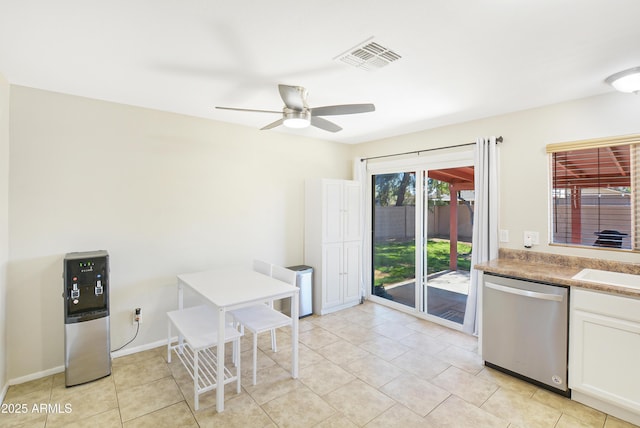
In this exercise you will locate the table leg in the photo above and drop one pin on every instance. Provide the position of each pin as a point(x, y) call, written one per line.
point(220, 368)
point(295, 300)
point(180, 307)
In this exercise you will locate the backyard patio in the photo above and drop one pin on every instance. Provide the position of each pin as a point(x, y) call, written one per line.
point(446, 294)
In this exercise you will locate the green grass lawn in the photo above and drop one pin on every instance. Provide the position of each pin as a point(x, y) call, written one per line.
point(395, 261)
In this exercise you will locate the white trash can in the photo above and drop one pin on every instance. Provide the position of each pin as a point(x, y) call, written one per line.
point(304, 281)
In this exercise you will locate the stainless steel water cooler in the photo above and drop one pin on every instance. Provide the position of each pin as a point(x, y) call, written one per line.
point(87, 353)
point(304, 281)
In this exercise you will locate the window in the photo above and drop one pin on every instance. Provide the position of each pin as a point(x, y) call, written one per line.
point(593, 195)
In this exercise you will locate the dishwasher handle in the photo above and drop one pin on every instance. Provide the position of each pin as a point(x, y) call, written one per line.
point(527, 293)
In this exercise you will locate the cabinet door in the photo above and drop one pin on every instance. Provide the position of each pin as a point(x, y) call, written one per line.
point(604, 358)
point(332, 210)
point(352, 215)
point(332, 275)
point(351, 272)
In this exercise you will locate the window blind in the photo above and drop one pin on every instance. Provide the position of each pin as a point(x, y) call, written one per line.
point(594, 197)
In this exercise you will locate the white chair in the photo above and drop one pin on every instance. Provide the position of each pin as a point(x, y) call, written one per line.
point(198, 336)
point(262, 267)
point(261, 318)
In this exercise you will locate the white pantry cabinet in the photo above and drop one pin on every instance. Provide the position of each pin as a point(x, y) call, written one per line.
point(604, 350)
point(333, 219)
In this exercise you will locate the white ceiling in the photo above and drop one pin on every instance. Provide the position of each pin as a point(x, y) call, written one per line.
point(461, 59)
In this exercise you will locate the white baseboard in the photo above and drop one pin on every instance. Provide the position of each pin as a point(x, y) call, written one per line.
point(3, 393)
point(60, 369)
point(140, 348)
point(37, 375)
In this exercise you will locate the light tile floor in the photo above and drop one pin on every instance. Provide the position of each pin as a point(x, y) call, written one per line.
point(366, 366)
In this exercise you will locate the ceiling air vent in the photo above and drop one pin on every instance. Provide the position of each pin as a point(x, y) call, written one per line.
point(368, 55)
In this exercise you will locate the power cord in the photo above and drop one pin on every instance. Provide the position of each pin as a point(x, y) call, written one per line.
point(134, 337)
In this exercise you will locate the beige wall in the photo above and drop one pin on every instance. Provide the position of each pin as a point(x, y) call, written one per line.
point(524, 164)
point(4, 224)
point(163, 193)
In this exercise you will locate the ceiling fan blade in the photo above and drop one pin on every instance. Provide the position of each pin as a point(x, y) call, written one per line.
point(247, 109)
point(321, 123)
point(294, 97)
point(342, 109)
point(273, 124)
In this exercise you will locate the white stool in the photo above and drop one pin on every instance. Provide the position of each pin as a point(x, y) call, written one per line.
point(262, 317)
point(198, 335)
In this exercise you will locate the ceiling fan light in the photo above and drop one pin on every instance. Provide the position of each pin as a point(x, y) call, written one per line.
point(296, 119)
point(626, 81)
point(296, 122)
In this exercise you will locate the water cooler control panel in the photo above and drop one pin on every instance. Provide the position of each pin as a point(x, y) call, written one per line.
point(86, 284)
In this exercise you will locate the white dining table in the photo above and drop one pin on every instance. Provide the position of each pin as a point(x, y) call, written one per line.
point(233, 288)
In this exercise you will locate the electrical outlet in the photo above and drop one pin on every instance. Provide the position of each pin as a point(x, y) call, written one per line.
point(137, 316)
point(531, 238)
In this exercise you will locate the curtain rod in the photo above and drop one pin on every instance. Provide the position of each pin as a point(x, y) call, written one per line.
point(498, 140)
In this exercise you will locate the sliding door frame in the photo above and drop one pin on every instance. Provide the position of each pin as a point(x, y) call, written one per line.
point(420, 165)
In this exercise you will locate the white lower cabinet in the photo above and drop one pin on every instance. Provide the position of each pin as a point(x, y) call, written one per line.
point(340, 284)
point(604, 352)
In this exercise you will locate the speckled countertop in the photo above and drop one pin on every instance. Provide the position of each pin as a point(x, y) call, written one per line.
point(557, 269)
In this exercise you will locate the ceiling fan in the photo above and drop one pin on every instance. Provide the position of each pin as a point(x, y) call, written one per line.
point(296, 113)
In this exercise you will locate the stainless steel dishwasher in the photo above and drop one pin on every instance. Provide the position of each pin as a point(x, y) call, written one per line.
point(525, 330)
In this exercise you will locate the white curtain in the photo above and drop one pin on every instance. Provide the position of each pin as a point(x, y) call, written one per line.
point(360, 175)
point(485, 222)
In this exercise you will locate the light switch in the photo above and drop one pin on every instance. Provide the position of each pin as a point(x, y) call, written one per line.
point(504, 235)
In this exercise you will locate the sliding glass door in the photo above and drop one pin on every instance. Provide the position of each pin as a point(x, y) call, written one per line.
point(421, 246)
point(450, 201)
point(394, 237)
